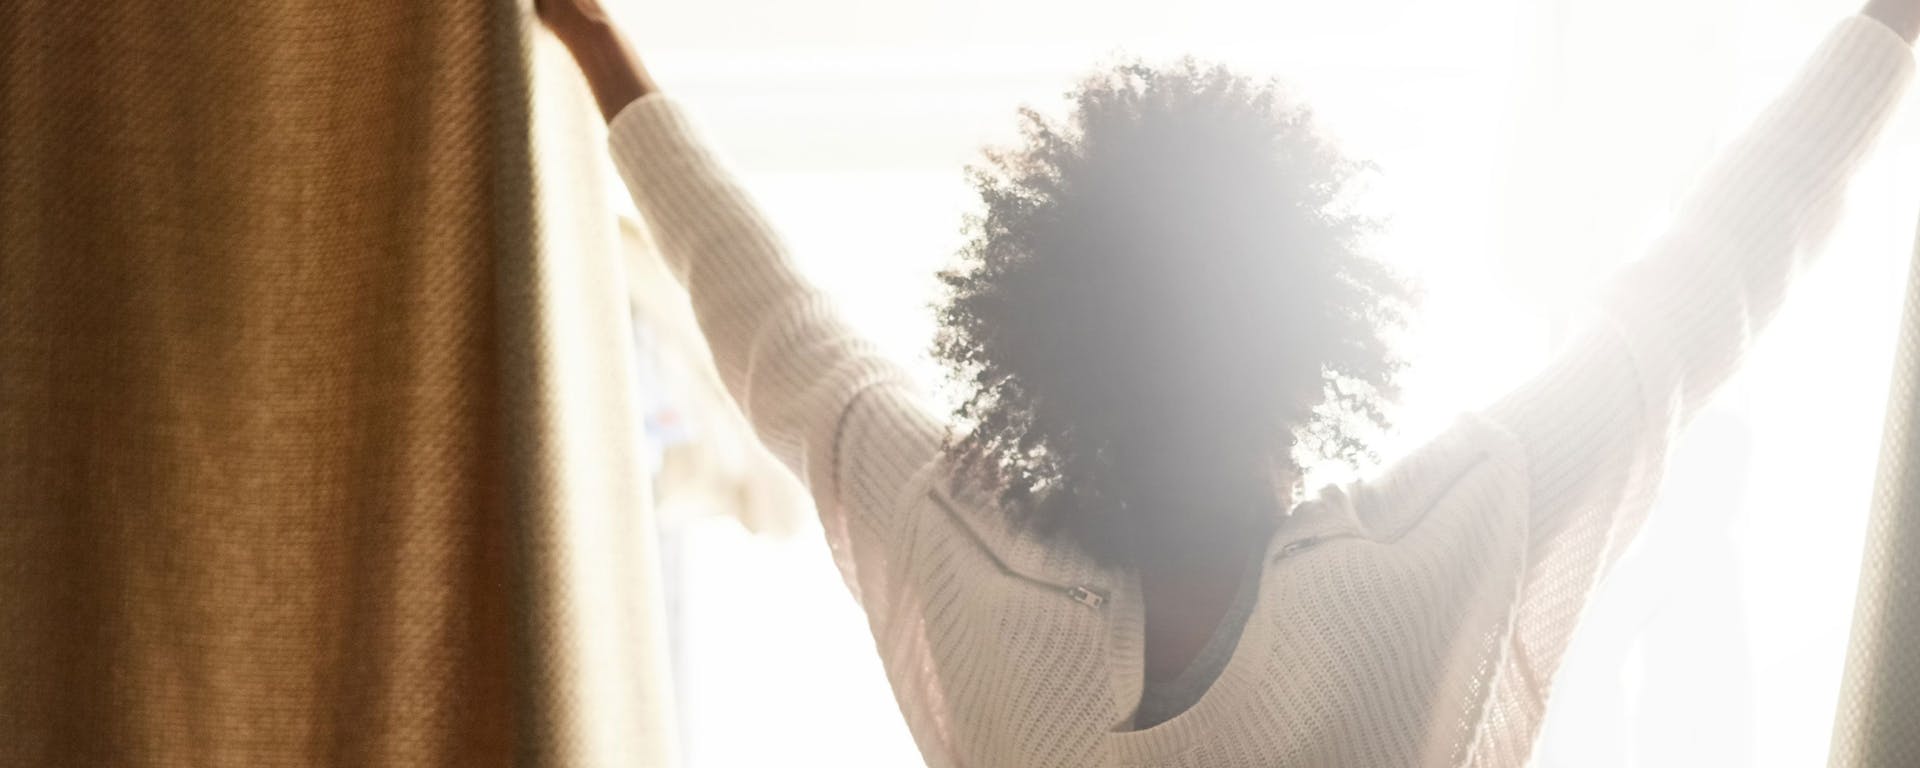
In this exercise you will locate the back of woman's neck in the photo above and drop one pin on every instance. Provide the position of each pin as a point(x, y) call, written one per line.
point(1186, 597)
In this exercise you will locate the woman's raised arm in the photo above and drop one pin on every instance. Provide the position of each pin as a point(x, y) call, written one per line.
point(1672, 327)
point(846, 420)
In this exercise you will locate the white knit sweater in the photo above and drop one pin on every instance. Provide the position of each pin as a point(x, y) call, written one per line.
point(1415, 618)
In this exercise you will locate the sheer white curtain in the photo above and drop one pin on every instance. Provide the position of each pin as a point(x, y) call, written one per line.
point(1525, 147)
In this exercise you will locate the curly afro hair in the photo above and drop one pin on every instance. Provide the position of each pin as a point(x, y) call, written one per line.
point(1165, 304)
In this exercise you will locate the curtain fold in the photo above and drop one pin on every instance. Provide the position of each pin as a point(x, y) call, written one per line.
point(1877, 721)
point(316, 429)
point(721, 469)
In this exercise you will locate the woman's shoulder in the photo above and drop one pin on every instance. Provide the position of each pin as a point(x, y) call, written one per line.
point(1473, 454)
point(957, 506)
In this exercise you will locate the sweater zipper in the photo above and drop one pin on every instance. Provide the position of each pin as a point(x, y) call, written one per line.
point(1087, 597)
point(1079, 593)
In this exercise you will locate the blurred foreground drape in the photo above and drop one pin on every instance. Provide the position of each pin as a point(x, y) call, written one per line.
point(1878, 718)
point(316, 423)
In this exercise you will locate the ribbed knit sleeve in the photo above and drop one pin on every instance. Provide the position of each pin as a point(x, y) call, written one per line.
point(1596, 423)
point(1675, 324)
point(843, 418)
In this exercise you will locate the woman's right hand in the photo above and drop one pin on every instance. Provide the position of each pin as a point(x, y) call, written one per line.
point(1902, 16)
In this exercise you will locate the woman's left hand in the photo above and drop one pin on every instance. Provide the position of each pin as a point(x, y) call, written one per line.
point(573, 20)
point(606, 58)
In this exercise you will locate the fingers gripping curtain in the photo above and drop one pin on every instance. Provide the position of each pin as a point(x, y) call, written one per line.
point(316, 438)
point(1878, 719)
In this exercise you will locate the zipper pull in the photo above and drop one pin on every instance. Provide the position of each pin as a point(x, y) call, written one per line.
point(1087, 597)
point(1297, 546)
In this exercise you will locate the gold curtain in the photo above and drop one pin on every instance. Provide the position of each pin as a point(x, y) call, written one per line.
point(316, 431)
point(1878, 719)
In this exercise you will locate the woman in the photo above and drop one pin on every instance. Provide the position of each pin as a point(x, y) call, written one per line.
point(1105, 562)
